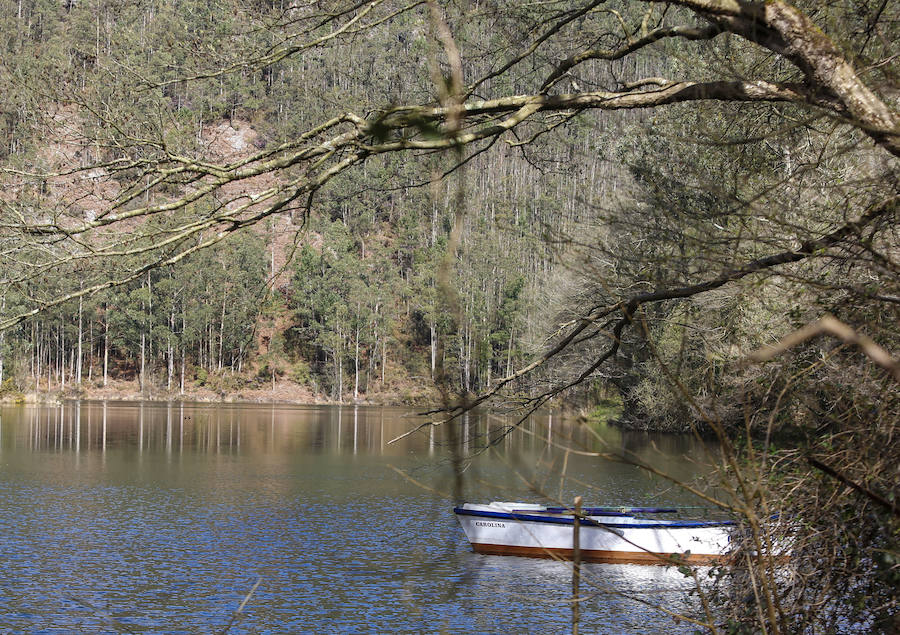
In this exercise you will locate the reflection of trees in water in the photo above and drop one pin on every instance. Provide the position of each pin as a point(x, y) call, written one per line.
point(84, 426)
point(546, 454)
point(549, 458)
point(546, 458)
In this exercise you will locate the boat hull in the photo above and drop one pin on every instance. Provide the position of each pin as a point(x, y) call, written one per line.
point(614, 539)
point(599, 556)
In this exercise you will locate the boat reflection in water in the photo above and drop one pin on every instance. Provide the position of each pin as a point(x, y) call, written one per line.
point(613, 535)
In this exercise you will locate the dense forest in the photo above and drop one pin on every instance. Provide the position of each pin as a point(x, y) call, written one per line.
point(342, 303)
point(688, 208)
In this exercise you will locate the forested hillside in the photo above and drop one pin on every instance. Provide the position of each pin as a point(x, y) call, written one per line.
point(147, 132)
point(341, 302)
point(137, 136)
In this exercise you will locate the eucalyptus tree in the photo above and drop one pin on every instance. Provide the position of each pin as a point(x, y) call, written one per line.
point(321, 283)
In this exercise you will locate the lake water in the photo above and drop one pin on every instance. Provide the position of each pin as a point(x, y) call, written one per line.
point(155, 517)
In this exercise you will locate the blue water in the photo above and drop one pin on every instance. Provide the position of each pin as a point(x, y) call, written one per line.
point(168, 526)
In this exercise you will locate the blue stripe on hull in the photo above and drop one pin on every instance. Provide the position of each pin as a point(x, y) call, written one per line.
point(556, 520)
point(614, 511)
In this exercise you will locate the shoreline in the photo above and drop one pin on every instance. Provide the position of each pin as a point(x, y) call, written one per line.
point(286, 393)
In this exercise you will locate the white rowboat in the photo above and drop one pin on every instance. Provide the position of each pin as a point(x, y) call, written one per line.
point(606, 534)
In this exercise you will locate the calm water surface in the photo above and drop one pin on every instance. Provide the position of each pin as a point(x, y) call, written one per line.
point(130, 517)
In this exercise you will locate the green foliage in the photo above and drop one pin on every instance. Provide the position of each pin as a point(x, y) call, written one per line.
point(10, 391)
point(300, 373)
point(223, 383)
point(604, 411)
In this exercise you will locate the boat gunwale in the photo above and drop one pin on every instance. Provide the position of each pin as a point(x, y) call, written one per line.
point(591, 522)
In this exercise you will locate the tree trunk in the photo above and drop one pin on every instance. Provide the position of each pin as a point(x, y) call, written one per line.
point(80, 337)
point(509, 354)
point(91, 351)
point(222, 331)
point(183, 345)
point(61, 357)
point(433, 347)
point(356, 361)
point(141, 378)
point(35, 353)
point(170, 358)
point(105, 345)
point(171, 349)
point(149, 320)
